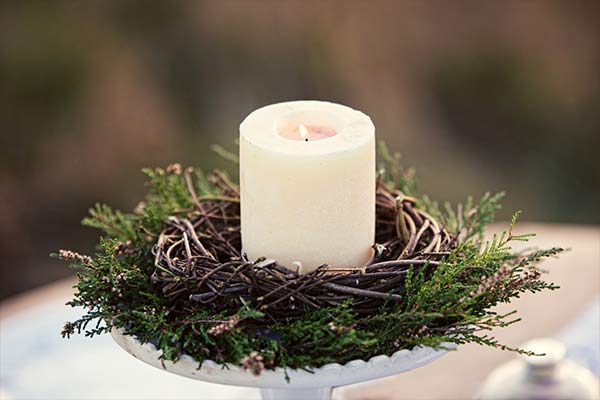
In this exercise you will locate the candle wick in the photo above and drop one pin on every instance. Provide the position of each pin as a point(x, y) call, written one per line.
point(306, 140)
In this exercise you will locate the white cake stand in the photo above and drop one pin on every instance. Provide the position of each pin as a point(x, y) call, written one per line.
point(316, 385)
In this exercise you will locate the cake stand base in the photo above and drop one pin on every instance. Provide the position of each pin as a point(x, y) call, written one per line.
point(296, 394)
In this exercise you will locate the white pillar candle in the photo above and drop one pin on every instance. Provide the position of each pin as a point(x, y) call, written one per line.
point(307, 180)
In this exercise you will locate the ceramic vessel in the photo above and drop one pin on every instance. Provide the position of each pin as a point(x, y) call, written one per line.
point(541, 377)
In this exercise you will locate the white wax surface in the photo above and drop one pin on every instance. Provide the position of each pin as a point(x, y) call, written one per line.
point(308, 202)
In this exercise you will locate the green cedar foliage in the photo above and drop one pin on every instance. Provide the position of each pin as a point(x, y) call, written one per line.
point(453, 305)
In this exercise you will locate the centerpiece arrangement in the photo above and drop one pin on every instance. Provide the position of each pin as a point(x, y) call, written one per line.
point(317, 257)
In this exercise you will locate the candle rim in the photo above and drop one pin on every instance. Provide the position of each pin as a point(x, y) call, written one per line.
point(259, 129)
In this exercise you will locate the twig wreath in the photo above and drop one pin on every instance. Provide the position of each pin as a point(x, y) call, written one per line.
point(172, 273)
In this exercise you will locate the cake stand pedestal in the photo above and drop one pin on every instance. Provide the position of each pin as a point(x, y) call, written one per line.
point(315, 385)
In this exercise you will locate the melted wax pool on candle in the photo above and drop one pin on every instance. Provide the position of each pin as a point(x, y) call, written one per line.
point(307, 133)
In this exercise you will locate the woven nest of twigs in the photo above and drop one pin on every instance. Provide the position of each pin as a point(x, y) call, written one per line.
point(199, 259)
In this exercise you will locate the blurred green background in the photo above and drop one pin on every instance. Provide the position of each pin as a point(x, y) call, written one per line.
point(476, 95)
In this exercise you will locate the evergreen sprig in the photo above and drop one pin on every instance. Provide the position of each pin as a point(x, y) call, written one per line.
point(451, 305)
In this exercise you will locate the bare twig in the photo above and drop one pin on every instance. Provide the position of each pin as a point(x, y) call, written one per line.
point(198, 258)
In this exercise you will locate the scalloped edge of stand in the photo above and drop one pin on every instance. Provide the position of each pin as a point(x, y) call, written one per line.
point(328, 375)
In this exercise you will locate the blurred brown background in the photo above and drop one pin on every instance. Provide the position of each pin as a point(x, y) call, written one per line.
point(478, 95)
